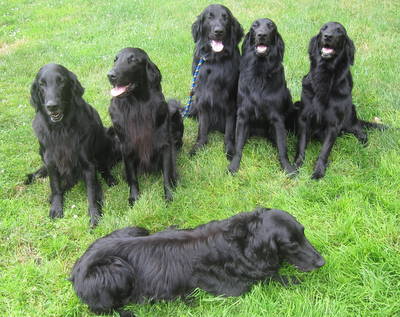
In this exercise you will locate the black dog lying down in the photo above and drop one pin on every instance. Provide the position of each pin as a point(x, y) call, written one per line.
point(73, 142)
point(149, 129)
point(326, 109)
point(222, 257)
point(264, 101)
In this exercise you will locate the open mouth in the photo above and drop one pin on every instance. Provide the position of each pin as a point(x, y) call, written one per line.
point(327, 52)
point(119, 91)
point(217, 46)
point(261, 49)
point(56, 116)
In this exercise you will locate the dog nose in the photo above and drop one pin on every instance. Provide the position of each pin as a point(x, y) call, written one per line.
point(261, 35)
point(51, 106)
point(327, 36)
point(218, 31)
point(320, 262)
point(111, 75)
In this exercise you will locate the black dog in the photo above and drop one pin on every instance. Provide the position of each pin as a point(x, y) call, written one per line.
point(222, 257)
point(217, 35)
point(149, 129)
point(326, 109)
point(264, 101)
point(73, 142)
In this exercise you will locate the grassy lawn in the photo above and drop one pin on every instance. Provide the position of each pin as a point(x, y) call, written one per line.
point(352, 216)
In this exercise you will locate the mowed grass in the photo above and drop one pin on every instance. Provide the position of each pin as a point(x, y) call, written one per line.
point(352, 216)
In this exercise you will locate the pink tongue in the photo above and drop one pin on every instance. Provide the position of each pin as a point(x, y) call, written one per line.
point(261, 49)
point(116, 91)
point(327, 50)
point(217, 46)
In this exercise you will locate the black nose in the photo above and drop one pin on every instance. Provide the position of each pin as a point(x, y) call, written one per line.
point(218, 31)
point(51, 106)
point(261, 35)
point(320, 262)
point(327, 37)
point(111, 75)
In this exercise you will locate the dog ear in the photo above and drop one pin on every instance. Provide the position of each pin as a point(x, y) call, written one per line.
point(77, 89)
point(349, 50)
point(236, 30)
point(313, 46)
point(280, 45)
point(35, 95)
point(247, 41)
point(197, 29)
point(153, 73)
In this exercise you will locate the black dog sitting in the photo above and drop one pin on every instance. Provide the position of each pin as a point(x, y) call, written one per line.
point(264, 101)
point(326, 109)
point(221, 257)
point(73, 142)
point(150, 129)
point(216, 34)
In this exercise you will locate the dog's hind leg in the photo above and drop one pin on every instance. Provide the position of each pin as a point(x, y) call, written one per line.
point(202, 137)
point(40, 173)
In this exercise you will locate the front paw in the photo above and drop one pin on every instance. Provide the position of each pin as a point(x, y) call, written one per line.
point(234, 166)
point(319, 171)
point(111, 181)
point(298, 162)
point(168, 196)
point(56, 212)
point(291, 170)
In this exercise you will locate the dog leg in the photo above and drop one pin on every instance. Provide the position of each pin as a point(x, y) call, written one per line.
point(57, 194)
point(280, 139)
point(229, 137)
point(94, 193)
point(242, 133)
point(303, 131)
point(167, 172)
point(202, 137)
point(131, 177)
point(322, 160)
point(40, 173)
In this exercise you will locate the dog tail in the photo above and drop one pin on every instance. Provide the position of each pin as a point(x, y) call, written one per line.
point(177, 127)
point(373, 125)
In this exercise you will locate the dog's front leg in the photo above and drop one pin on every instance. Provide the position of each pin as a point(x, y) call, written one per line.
point(40, 173)
point(329, 141)
point(280, 139)
point(131, 177)
point(94, 193)
point(303, 138)
point(229, 137)
point(242, 133)
point(202, 136)
point(57, 193)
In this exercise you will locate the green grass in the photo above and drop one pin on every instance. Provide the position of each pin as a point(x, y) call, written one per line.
point(352, 215)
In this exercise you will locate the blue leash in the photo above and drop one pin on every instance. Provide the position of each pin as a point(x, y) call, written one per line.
point(186, 109)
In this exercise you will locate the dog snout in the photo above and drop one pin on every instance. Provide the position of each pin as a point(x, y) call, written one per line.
point(111, 75)
point(320, 262)
point(218, 31)
point(51, 106)
point(261, 35)
point(327, 37)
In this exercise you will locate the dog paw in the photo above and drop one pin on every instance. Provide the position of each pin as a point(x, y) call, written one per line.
point(319, 172)
point(233, 168)
point(56, 212)
point(111, 181)
point(291, 170)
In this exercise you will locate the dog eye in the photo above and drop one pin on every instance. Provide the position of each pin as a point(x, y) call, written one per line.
point(115, 59)
point(224, 16)
point(339, 30)
point(324, 28)
point(42, 83)
point(210, 15)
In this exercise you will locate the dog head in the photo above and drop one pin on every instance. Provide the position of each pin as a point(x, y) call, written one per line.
point(332, 42)
point(55, 91)
point(275, 236)
point(217, 27)
point(264, 39)
point(132, 69)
